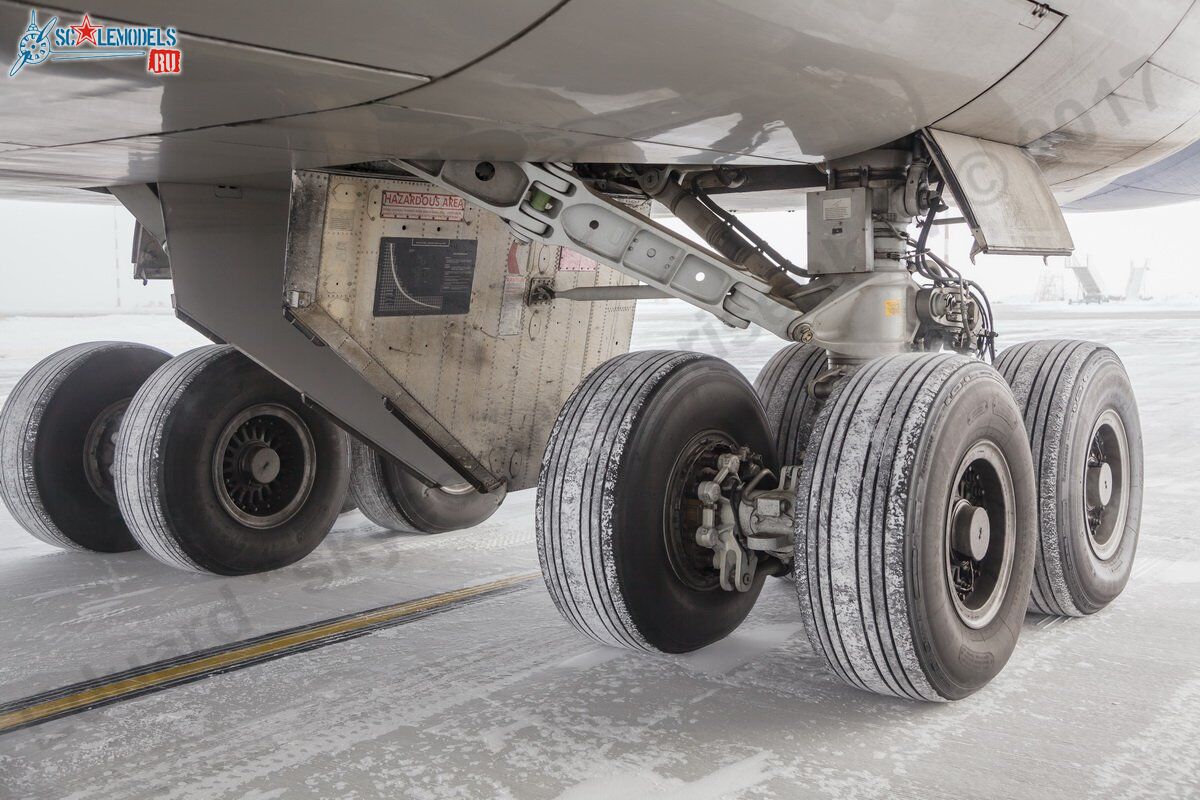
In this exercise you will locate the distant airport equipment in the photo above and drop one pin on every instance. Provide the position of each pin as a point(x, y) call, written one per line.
point(1134, 287)
point(1051, 286)
point(1090, 287)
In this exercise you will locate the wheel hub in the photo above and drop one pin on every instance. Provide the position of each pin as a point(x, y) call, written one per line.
point(972, 530)
point(264, 465)
point(696, 463)
point(980, 541)
point(1105, 490)
point(99, 450)
point(1100, 483)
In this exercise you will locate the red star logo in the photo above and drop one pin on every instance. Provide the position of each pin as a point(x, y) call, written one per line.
point(85, 31)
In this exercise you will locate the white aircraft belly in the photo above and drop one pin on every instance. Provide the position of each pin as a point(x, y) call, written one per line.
point(757, 78)
point(683, 81)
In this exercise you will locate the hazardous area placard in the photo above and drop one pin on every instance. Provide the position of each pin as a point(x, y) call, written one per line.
point(422, 205)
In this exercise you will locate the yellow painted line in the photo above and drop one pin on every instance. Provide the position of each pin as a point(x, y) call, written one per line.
point(121, 685)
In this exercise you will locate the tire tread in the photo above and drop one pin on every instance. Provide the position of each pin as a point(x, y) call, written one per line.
point(575, 493)
point(850, 559)
point(370, 492)
point(790, 412)
point(1046, 376)
point(137, 466)
point(20, 419)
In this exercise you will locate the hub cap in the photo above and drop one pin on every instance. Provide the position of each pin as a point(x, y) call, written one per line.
point(1106, 485)
point(264, 465)
point(99, 448)
point(979, 538)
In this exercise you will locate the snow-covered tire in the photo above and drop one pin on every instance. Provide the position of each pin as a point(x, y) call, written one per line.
point(348, 502)
point(1072, 395)
point(613, 551)
point(889, 462)
point(189, 447)
point(393, 498)
point(59, 417)
point(784, 387)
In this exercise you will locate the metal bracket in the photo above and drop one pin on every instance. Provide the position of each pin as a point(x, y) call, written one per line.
point(592, 294)
point(768, 516)
point(718, 527)
point(550, 203)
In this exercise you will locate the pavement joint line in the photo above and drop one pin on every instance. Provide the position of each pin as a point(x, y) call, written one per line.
point(160, 675)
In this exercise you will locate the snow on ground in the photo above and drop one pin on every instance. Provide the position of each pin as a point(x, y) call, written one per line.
point(504, 699)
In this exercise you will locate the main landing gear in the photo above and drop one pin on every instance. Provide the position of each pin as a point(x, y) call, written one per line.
point(915, 523)
point(896, 482)
point(205, 461)
point(921, 498)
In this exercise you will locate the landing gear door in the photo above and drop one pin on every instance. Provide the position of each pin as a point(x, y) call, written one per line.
point(432, 301)
point(1002, 194)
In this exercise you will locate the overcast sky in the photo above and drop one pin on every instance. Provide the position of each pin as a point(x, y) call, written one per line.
point(75, 257)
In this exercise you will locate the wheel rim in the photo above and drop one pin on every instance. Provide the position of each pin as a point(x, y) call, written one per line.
point(99, 449)
point(979, 539)
point(264, 465)
point(456, 489)
point(1106, 485)
point(696, 462)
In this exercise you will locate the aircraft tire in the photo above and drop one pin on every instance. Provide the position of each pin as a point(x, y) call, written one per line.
point(904, 587)
point(393, 498)
point(614, 511)
point(56, 433)
point(784, 386)
point(222, 468)
point(1082, 419)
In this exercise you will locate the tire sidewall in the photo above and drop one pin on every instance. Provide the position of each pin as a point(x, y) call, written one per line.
point(1091, 582)
point(204, 530)
point(701, 395)
point(103, 377)
point(956, 658)
point(429, 509)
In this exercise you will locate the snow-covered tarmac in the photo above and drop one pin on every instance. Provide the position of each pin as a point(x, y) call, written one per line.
point(502, 699)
